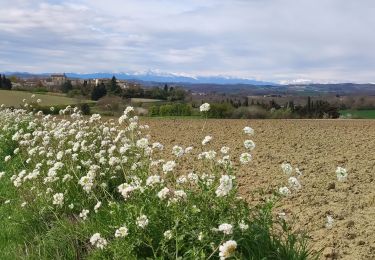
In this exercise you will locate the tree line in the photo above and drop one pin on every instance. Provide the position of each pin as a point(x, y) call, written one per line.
point(136, 91)
point(5, 83)
point(260, 109)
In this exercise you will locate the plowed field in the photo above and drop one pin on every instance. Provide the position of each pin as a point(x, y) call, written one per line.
point(316, 147)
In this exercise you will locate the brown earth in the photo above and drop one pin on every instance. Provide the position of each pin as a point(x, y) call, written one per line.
point(316, 147)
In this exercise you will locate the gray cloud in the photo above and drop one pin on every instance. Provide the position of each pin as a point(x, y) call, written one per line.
point(322, 40)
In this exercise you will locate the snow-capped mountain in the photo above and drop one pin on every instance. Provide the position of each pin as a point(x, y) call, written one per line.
point(157, 76)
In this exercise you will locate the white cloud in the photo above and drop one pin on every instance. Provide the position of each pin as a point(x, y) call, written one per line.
point(268, 39)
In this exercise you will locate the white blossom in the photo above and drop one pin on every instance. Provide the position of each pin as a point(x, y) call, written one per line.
point(287, 168)
point(177, 151)
point(169, 166)
point(98, 241)
point(225, 186)
point(341, 174)
point(206, 140)
point(204, 107)
point(226, 228)
point(227, 249)
point(84, 214)
point(284, 191)
point(245, 158)
point(121, 232)
point(97, 206)
point(248, 130)
point(168, 235)
point(163, 193)
point(294, 183)
point(142, 221)
point(249, 144)
point(58, 199)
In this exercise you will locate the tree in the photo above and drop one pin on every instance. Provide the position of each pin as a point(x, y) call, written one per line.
point(85, 88)
point(308, 105)
point(114, 88)
point(246, 102)
point(5, 83)
point(67, 86)
point(176, 94)
point(98, 92)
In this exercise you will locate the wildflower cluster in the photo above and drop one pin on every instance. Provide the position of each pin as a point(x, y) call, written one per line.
point(293, 181)
point(111, 179)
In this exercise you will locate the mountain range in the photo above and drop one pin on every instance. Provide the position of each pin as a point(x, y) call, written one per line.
point(155, 76)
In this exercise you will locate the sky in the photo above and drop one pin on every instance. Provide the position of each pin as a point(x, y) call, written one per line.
point(273, 40)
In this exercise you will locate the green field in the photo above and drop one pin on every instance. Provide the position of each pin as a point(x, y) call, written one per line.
point(365, 114)
point(14, 98)
point(144, 100)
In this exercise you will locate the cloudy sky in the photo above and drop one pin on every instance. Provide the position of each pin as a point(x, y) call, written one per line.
point(320, 40)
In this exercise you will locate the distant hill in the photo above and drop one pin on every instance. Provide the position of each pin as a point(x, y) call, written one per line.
point(172, 77)
point(151, 76)
point(222, 84)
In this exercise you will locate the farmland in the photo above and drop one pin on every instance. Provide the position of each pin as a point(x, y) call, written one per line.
point(317, 147)
point(14, 98)
point(369, 114)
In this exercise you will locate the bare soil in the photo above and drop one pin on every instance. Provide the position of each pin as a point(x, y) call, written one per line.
point(316, 147)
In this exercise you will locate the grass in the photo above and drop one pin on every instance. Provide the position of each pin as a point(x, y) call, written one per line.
point(363, 114)
point(144, 100)
point(14, 98)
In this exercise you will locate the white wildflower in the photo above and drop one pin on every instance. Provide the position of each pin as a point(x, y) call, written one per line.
point(142, 143)
point(152, 180)
point(142, 221)
point(284, 191)
point(122, 232)
point(224, 149)
point(163, 193)
point(294, 183)
point(157, 146)
point(245, 158)
point(177, 151)
point(58, 199)
point(98, 241)
point(287, 168)
point(248, 130)
point(225, 186)
point(204, 107)
point(243, 226)
point(206, 140)
point(188, 149)
point(169, 166)
point(341, 174)
point(84, 214)
point(227, 249)
point(226, 228)
point(249, 144)
point(97, 206)
point(168, 235)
